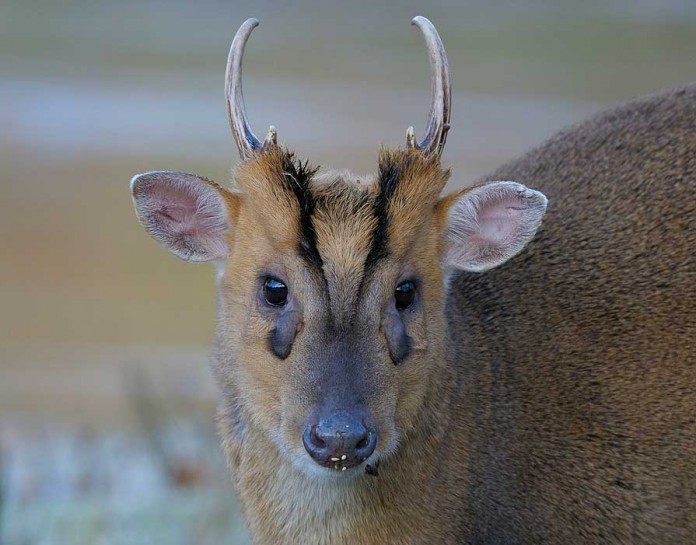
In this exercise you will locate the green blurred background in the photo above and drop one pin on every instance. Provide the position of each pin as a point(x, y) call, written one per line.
point(106, 402)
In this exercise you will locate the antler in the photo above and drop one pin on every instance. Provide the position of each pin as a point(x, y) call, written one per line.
point(247, 143)
point(438, 120)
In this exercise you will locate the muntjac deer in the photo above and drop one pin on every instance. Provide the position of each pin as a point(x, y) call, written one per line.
point(396, 368)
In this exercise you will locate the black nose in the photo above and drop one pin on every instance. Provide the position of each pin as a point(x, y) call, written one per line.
point(340, 441)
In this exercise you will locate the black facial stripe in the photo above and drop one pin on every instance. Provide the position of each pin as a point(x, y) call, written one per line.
point(297, 176)
point(379, 246)
point(388, 181)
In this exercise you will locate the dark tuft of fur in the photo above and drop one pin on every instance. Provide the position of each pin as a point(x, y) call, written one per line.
point(389, 172)
point(297, 176)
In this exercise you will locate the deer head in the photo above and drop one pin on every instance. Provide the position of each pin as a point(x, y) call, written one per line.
point(332, 287)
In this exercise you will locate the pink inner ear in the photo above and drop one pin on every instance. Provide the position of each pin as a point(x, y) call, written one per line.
point(499, 219)
point(192, 210)
point(176, 205)
point(174, 213)
point(185, 213)
point(490, 224)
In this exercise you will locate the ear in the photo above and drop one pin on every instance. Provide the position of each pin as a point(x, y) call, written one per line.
point(485, 226)
point(188, 215)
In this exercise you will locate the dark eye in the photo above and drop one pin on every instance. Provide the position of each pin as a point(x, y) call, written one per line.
point(404, 295)
point(275, 292)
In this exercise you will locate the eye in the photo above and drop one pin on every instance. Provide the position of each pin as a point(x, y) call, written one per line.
point(404, 295)
point(275, 292)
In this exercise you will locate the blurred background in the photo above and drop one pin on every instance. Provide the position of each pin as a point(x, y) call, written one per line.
point(106, 401)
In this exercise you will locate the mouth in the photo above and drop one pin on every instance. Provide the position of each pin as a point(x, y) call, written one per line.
point(341, 463)
point(344, 461)
point(335, 470)
point(371, 468)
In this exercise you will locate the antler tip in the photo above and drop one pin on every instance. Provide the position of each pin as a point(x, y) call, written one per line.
point(271, 138)
point(410, 137)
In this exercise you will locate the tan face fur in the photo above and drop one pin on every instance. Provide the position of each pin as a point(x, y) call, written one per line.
point(341, 245)
point(340, 293)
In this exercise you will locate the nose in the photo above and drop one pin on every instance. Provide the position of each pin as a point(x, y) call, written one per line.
point(341, 440)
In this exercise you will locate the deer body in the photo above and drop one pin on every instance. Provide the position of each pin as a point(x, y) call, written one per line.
point(563, 409)
point(578, 361)
point(387, 376)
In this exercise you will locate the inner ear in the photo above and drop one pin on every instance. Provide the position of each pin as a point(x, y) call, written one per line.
point(487, 225)
point(187, 214)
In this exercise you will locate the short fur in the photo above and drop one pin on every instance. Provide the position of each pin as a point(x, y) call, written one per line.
point(563, 407)
point(551, 400)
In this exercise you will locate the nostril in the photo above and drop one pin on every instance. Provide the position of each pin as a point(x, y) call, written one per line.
point(316, 438)
point(362, 443)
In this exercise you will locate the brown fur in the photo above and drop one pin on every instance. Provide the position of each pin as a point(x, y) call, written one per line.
point(551, 400)
point(580, 376)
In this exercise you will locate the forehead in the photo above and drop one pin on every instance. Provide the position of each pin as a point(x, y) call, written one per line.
point(340, 224)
